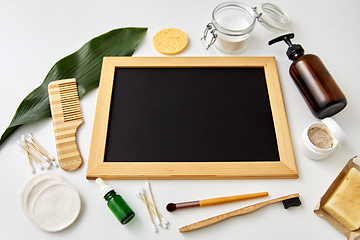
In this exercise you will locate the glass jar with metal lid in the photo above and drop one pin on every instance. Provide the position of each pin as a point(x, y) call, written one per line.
point(232, 23)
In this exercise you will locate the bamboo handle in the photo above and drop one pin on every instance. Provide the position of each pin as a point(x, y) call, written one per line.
point(220, 200)
point(68, 153)
point(238, 212)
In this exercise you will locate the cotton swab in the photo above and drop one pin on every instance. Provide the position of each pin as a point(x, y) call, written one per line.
point(150, 204)
point(152, 221)
point(46, 162)
point(153, 203)
point(42, 149)
point(161, 216)
point(164, 222)
point(34, 153)
point(148, 208)
point(35, 149)
point(34, 158)
point(143, 198)
point(31, 166)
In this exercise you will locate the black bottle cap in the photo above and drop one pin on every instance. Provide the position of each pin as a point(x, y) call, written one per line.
point(293, 50)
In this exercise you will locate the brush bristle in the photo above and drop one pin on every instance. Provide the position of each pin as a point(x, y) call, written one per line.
point(171, 207)
point(291, 202)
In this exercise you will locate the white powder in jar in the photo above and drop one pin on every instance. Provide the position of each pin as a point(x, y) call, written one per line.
point(233, 22)
point(232, 43)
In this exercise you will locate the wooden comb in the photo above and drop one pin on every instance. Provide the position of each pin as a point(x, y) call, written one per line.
point(66, 115)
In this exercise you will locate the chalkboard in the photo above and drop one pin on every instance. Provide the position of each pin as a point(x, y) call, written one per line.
point(190, 118)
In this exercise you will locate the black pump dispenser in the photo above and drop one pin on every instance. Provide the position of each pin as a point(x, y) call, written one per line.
point(294, 50)
point(318, 88)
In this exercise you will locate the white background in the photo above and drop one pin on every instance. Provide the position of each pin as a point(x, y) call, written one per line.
point(36, 34)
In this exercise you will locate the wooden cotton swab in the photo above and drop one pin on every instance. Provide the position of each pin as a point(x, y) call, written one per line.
point(149, 211)
point(46, 163)
point(157, 214)
point(152, 221)
point(145, 202)
point(35, 149)
point(142, 193)
point(152, 200)
point(40, 146)
point(144, 199)
point(29, 145)
point(43, 150)
point(31, 166)
point(34, 158)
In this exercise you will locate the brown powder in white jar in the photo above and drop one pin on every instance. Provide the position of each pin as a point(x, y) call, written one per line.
point(320, 137)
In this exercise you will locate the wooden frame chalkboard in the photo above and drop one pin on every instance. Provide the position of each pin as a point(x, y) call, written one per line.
point(190, 118)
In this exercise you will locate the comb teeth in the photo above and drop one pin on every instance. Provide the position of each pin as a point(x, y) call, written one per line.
point(69, 99)
point(64, 101)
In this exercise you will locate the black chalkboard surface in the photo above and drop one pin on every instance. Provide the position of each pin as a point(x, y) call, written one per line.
point(190, 115)
point(190, 118)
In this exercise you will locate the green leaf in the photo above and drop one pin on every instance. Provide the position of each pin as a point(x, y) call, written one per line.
point(84, 65)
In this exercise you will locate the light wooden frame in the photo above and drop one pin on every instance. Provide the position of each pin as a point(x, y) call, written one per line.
point(285, 168)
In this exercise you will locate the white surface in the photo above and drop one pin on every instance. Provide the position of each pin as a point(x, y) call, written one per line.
point(36, 34)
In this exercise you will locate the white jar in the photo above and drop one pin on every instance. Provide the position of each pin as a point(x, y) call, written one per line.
point(232, 23)
point(329, 136)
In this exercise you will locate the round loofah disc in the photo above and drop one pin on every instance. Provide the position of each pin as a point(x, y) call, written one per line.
point(170, 41)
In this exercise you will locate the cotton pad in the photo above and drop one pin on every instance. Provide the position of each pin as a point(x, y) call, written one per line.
point(34, 182)
point(51, 202)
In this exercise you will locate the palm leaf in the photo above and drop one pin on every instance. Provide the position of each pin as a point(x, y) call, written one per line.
point(84, 65)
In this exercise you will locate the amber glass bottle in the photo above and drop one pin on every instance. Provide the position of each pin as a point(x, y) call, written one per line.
point(318, 88)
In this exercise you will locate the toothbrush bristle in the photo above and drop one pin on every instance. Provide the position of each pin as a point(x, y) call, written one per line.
point(292, 202)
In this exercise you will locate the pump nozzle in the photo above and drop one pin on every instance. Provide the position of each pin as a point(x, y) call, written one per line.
point(293, 50)
point(285, 38)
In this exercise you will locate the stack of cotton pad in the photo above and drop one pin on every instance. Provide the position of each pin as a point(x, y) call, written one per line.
point(50, 202)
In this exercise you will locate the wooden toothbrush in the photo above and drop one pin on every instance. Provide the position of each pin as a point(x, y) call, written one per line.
point(66, 115)
point(288, 201)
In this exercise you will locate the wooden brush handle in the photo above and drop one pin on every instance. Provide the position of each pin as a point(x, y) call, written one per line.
point(220, 200)
point(67, 150)
point(238, 212)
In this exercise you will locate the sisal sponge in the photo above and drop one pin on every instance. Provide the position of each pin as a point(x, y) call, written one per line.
point(344, 202)
point(170, 41)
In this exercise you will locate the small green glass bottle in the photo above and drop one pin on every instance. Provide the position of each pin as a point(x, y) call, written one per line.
point(115, 202)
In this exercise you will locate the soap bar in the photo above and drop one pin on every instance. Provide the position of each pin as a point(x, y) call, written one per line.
point(344, 202)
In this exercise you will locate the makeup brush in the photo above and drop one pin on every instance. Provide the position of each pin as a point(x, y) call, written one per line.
point(288, 201)
point(214, 201)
